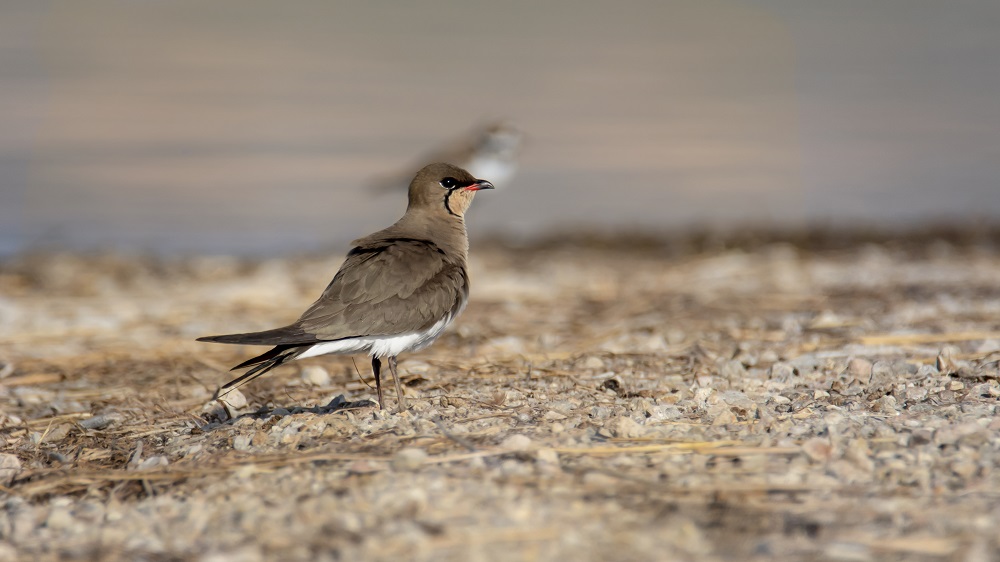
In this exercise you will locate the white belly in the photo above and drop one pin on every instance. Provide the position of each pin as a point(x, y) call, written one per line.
point(380, 346)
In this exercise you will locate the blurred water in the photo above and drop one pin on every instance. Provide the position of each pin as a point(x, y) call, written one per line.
point(251, 127)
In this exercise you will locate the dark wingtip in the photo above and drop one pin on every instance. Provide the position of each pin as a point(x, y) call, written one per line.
point(249, 339)
point(288, 335)
point(228, 338)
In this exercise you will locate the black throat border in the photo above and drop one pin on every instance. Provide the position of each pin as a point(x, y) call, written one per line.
point(447, 204)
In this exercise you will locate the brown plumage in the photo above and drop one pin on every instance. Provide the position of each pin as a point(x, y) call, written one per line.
point(396, 291)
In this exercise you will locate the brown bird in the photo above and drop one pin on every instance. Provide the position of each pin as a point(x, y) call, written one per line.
point(489, 151)
point(397, 291)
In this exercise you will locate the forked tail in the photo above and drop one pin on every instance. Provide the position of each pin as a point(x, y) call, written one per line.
point(262, 364)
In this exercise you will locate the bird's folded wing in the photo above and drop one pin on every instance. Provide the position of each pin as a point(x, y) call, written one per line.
point(387, 287)
point(287, 335)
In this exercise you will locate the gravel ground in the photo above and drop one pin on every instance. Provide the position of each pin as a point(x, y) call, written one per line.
point(597, 401)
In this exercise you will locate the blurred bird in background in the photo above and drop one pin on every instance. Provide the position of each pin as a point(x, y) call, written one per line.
point(489, 151)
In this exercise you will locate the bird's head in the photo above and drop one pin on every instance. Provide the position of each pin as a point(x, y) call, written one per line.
point(444, 188)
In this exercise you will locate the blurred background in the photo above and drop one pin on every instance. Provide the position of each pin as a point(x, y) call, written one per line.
point(254, 128)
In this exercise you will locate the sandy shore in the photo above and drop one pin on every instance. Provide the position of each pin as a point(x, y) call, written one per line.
point(673, 401)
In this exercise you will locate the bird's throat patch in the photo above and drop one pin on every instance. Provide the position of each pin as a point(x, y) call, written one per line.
point(447, 204)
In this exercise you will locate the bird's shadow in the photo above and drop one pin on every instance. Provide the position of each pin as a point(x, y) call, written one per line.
point(338, 405)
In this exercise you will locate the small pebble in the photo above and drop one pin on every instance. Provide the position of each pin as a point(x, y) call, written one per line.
point(604, 433)
point(10, 466)
point(514, 467)
point(101, 421)
point(247, 553)
point(818, 449)
point(600, 480)
point(315, 375)
point(848, 552)
point(883, 377)
point(733, 370)
point(625, 427)
point(58, 433)
point(675, 336)
point(152, 462)
point(242, 442)
point(234, 403)
point(516, 442)
point(781, 372)
point(738, 400)
point(409, 458)
point(547, 456)
point(921, 436)
point(945, 362)
point(965, 469)
point(363, 467)
point(724, 417)
point(859, 369)
point(259, 439)
point(926, 371)
point(60, 518)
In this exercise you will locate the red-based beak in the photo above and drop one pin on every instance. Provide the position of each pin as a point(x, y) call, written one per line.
point(479, 184)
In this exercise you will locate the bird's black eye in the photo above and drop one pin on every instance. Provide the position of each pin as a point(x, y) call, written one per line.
point(449, 183)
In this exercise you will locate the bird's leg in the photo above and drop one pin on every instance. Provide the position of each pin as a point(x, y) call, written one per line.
point(377, 369)
point(399, 388)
